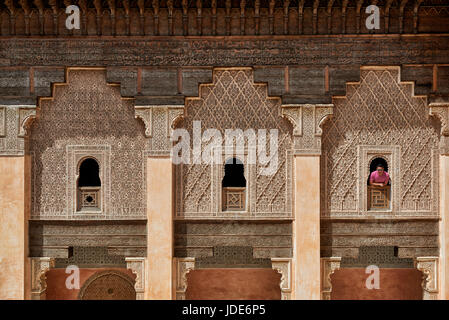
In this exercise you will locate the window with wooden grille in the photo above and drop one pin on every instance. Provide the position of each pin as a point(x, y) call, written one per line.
point(89, 186)
point(234, 186)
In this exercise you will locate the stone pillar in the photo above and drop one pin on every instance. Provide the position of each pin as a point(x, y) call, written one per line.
point(441, 111)
point(444, 225)
point(160, 228)
point(159, 122)
point(14, 202)
point(307, 121)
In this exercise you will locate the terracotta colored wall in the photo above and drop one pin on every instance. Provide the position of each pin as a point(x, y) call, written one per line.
point(56, 289)
point(238, 284)
point(395, 284)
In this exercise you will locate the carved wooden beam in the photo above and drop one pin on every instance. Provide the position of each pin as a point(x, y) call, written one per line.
point(401, 15)
point(27, 11)
point(185, 17)
point(300, 16)
point(271, 15)
point(55, 13)
point(170, 16)
point(214, 17)
point(127, 21)
point(344, 6)
point(257, 16)
point(357, 11)
point(112, 11)
point(98, 11)
point(40, 7)
point(12, 16)
point(199, 17)
point(84, 12)
point(329, 16)
point(242, 16)
point(156, 17)
point(228, 16)
point(374, 3)
point(387, 15)
point(141, 5)
point(415, 15)
point(286, 9)
point(316, 3)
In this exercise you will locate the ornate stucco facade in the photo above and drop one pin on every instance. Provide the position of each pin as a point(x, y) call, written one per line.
point(137, 73)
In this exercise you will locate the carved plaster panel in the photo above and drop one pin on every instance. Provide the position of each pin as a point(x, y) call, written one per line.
point(380, 112)
point(159, 122)
point(234, 101)
point(86, 116)
point(39, 267)
point(307, 121)
point(14, 123)
point(441, 111)
point(328, 267)
point(137, 266)
point(429, 267)
point(284, 267)
point(182, 267)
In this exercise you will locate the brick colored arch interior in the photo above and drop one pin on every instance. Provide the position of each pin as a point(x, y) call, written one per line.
point(234, 284)
point(394, 284)
point(56, 278)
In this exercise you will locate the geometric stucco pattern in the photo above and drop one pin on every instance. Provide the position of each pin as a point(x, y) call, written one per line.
point(383, 257)
point(379, 111)
point(86, 113)
point(234, 101)
point(14, 124)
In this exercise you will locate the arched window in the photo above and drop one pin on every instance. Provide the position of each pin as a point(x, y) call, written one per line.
point(234, 174)
point(379, 193)
point(373, 166)
point(233, 185)
point(89, 185)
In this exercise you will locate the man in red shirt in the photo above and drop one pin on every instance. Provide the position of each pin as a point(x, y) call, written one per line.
point(380, 177)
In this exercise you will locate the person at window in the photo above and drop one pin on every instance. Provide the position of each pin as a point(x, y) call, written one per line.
point(380, 177)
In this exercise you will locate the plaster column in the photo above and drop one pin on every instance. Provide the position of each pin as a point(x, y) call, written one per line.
point(13, 228)
point(160, 228)
point(306, 227)
point(15, 186)
point(159, 122)
point(441, 111)
point(444, 225)
point(307, 121)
